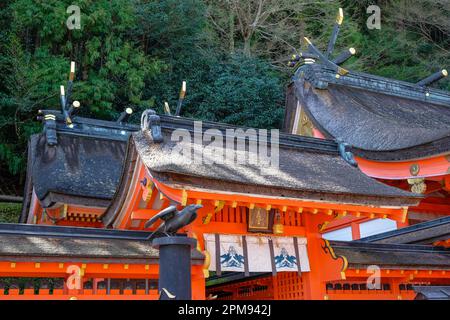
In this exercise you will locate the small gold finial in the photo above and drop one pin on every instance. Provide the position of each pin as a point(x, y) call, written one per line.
point(183, 90)
point(166, 106)
point(72, 71)
point(306, 40)
point(340, 16)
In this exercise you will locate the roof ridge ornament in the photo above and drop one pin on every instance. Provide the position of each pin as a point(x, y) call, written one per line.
point(334, 35)
point(344, 56)
point(151, 122)
point(181, 98)
point(124, 115)
point(433, 78)
point(346, 154)
point(49, 120)
point(66, 96)
point(312, 53)
point(324, 59)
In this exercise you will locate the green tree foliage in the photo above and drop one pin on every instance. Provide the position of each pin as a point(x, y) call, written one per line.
point(9, 212)
point(220, 87)
point(36, 52)
point(413, 42)
point(237, 79)
point(177, 33)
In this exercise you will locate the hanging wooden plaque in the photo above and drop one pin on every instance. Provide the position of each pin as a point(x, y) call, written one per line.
point(260, 220)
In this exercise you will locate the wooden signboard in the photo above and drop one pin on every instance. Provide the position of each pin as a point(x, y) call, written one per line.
point(260, 220)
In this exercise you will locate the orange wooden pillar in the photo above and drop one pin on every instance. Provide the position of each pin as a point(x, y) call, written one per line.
point(314, 289)
point(324, 266)
point(356, 233)
point(198, 283)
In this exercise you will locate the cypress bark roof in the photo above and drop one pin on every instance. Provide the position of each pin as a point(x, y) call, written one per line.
point(85, 167)
point(381, 119)
point(82, 168)
point(75, 244)
point(302, 173)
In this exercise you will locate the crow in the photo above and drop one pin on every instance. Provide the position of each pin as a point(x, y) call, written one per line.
point(173, 220)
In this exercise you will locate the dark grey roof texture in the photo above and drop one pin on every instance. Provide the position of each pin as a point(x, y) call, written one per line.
point(301, 173)
point(393, 256)
point(52, 243)
point(24, 245)
point(80, 166)
point(373, 121)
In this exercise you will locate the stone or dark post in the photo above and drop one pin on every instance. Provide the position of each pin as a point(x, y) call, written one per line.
point(175, 267)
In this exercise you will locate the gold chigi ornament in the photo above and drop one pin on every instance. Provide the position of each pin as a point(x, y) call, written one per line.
point(278, 227)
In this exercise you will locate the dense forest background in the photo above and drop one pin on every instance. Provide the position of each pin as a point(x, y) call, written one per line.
point(232, 53)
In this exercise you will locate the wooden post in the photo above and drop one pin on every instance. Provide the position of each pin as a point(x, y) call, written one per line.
point(175, 267)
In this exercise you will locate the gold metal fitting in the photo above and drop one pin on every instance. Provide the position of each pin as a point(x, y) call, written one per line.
point(278, 227)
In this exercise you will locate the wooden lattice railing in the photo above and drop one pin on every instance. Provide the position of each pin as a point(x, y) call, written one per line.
point(55, 289)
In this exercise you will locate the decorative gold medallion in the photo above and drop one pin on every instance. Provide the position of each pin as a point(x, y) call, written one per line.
point(418, 185)
point(419, 188)
point(414, 169)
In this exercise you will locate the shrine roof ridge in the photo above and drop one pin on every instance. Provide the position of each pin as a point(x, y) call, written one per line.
point(77, 232)
point(387, 123)
point(90, 127)
point(286, 140)
point(320, 76)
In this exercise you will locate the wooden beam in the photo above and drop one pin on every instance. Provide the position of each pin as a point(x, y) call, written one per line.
point(143, 214)
point(430, 167)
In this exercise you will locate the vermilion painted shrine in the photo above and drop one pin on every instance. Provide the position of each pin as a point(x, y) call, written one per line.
point(357, 151)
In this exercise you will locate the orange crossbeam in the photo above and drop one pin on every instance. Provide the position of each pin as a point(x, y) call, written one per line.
point(431, 167)
point(396, 213)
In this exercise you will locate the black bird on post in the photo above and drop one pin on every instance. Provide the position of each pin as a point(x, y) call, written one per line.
point(173, 220)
